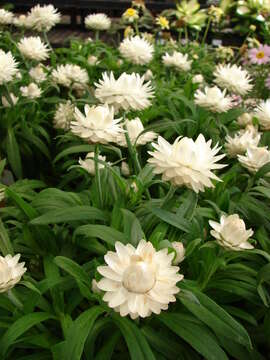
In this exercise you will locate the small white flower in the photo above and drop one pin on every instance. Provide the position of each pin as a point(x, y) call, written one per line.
point(242, 140)
point(13, 98)
point(43, 18)
point(148, 75)
point(92, 60)
point(134, 128)
point(186, 162)
point(127, 92)
point(244, 119)
point(8, 67)
point(262, 112)
point(137, 50)
point(70, 75)
point(233, 78)
point(88, 163)
point(33, 48)
point(6, 17)
point(97, 22)
point(125, 168)
point(255, 158)
point(38, 74)
point(139, 281)
point(177, 60)
point(180, 252)
point(231, 233)
point(213, 99)
point(64, 115)
point(23, 21)
point(11, 272)
point(32, 91)
point(95, 288)
point(197, 79)
point(97, 125)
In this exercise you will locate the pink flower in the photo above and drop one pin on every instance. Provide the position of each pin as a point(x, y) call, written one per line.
point(260, 55)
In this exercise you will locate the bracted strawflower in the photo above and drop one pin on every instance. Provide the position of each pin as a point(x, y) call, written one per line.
point(139, 281)
point(6, 17)
point(242, 140)
point(33, 48)
point(213, 99)
point(262, 112)
point(137, 50)
point(130, 15)
point(43, 18)
point(88, 163)
point(11, 272)
point(8, 67)
point(97, 22)
point(63, 116)
point(163, 22)
point(177, 60)
point(70, 75)
point(186, 162)
point(255, 158)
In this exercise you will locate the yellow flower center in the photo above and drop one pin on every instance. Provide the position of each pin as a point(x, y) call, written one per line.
point(260, 55)
point(130, 12)
point(163, 22)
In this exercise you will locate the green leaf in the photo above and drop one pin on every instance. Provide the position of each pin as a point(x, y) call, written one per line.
point(2, 166)
point(13, 154)
point(172, 219)
point(262, 171)
point(132, 227)
point(72, 268)
point(27, 209)
point(76, 213)
point(74, 150)
point(105, 233)
point(19, 327)
point(106, 352)
point(5, 243)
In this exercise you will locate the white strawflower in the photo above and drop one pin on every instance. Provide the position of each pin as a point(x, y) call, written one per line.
point(148, 75)
point(8, 67)
point(177, 60)
point(180, 252)
point(213, 99)
point(127, 92)
point(33, 48)
point(255, 158)
point(64, 115)
point(138, 282)
point(32, 91)
point(244, 119)
point(92, 60)
point(13, 98)
point(43, 18)
point(6, 17)
point(88, 163)
point(262, 112)
point(97, 22)
point(137, 50)
point(70, 75)
point(233, 78)
point(231, 233)
point(197, 79)
point(241, 141)
point(134, 128)
point(125, 168)
point(186, 162)
point(11, 272)
point(38, 74)
point(97, 125)
point(22, 21)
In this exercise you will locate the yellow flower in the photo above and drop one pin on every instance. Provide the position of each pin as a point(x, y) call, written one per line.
point(131, 14)
point(128, 31)
point(216, 13)
point(163, 22)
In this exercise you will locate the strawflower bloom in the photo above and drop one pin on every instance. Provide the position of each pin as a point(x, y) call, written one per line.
point(139, 281)
point(33, 48)
point(213, 99)
point(6, 17)
point(43, 18)
point(137, 50)
point(260, 55)
point(32, 91)
point(63, 116)
point(262, 112)
point(97, 22)
point(186, 162)
point(88, 163)
point(178, 60)
point(8, 67)
point(134, 128)
point(242, 140)
point(255, 158)
point(70, 75)
point(11, 272)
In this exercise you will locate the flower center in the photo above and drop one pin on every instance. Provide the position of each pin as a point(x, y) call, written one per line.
point(260, 55)
point(139, 278)
point(130, 12)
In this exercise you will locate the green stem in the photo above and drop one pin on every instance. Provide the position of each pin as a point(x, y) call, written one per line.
point(8, 97)
point(97, 35)
point(13, 298)
point(98, 176)
point(136, 28)
point(186, 33)
point(206, 30)
point(47, 40)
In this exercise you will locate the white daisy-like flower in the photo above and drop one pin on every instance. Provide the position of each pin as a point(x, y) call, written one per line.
point(23, 21)
point(98, 125)
point(33, 48)
point(137, 50)
point(148, 75)
point(254, 158)
point(97, 22)
point(64, 115)
point(231, 233)
point(88, 163)
point(134, 127)
point(6, 102)
point(233, 78)
point(127, 92)
point(6, 17)
point(11, 271)
point(38, 74)
point(43, 18)
point(70, 75)
point(244, 119)
point(213, 99)
point(139, 281)
point(32, 91)
point(186, 162)
point(180, 252)
point(242, 140)
point(262, 112)
point(8, 67)
point(178, 60)
point(92, 60)
point(197, 79)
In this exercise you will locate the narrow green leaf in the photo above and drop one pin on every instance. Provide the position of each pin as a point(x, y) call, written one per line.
point(172, 219)
point(5, 243)
point(105, 233)
point(13, 154)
